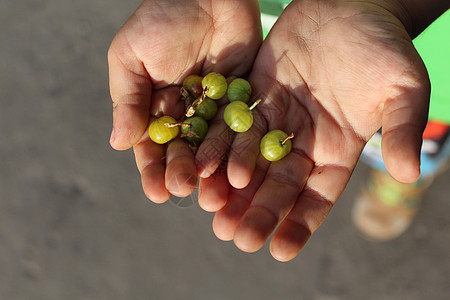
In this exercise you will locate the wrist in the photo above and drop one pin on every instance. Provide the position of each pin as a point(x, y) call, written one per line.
point(415, 15)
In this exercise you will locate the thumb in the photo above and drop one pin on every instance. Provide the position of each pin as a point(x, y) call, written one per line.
point(131, 90)
point(403, 121)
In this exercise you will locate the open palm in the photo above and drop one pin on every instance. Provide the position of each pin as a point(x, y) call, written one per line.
point(332, 74)
point(162, 43)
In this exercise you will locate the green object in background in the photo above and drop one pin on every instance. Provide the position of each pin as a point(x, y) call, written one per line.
point(270, 11)
point(433, 45)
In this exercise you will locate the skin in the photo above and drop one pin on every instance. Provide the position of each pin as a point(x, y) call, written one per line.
point(333, 73)
point(148, 60)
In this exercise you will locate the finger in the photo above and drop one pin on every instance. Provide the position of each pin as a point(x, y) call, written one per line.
point(274, 199)
point(404, 120)
point(323, 188)
point(131, 90)
point(151, 157)
point(215, 146)
point(244, 153)
point(167, 102)
point(181, 172)
point(226, 220)
point(217, 142)
point(151, 163)
point(213, 191)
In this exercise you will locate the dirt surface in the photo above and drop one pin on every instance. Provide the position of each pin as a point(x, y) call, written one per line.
point(75, 224)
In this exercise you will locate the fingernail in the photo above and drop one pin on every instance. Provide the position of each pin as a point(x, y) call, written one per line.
point(201, 171)
point(205, 174)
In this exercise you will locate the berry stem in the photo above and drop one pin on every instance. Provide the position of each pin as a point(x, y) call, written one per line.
point(170, 125)
point(188, 98)
point(289, 137)
point(254, 104)
point(193, 107)
point(204, 93)
point(189, 134)
point(190, 111)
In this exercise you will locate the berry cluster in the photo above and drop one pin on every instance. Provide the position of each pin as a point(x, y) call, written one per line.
point(200, 95)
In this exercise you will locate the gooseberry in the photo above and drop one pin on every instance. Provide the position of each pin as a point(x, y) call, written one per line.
point(160, 130)
point(239, 90)
point(214, 85)
point(276, 144)
point(193, 85)
point(239, 116)
point(196, 129)
point(207, 109)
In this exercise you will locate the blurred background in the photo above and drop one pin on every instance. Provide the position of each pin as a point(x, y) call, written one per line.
point(75, 224)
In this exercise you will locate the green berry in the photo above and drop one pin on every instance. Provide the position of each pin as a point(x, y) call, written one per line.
point(196, 131)
point(215, 85)
point(275, 145)
point(160, 133)
point(207, 109)
point(239, 116)
point(239, 90)
point(193, 84)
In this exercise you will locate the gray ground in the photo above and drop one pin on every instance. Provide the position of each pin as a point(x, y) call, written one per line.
point(74, 223)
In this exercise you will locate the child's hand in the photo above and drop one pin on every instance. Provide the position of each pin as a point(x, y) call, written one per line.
point(162, 43)
point(332, 73)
